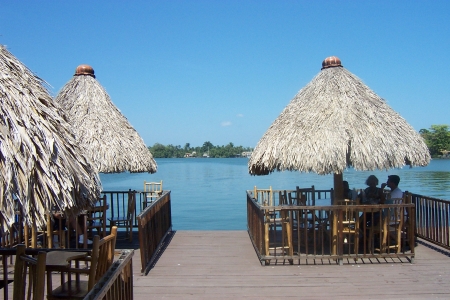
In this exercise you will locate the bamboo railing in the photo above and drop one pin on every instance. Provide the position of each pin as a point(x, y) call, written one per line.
point(318, 232)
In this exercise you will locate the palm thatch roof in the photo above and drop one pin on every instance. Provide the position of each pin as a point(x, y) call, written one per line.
point(110, 141)
point(335, 122)
point(41, 165)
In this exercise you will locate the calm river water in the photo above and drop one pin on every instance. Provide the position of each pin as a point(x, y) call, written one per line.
point(209, 194)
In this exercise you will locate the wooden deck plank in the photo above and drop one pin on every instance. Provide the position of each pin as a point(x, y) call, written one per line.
point(224, 265)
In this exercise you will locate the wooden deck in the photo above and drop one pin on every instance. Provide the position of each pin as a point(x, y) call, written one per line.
point(223, 265)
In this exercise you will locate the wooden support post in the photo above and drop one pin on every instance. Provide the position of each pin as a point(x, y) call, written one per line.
point(49, 231)
point(338, 187)
point(334, 235)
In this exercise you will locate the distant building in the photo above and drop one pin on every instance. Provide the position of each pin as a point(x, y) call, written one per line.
point(193, 154)
point(246, 154)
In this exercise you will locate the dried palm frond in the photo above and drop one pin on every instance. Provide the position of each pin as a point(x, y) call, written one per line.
point(109, 139)
point(41, 165)
point(335, 122)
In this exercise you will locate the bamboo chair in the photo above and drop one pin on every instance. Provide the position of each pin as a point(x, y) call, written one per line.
point(152, 190)
point(284, 221)
point(96, 219)
point(100, 259)
point(395, 218)
point(350, 224)
point(31, 271)
point(263, 196)
point(127, 220)
point(275, 222)
point(390, 230)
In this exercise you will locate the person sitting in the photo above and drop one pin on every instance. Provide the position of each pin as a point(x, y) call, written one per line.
point(348, 193)
point(372, 194)
point(393, 182)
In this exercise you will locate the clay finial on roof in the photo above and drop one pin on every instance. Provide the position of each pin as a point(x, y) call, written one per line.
point(84, 70)
point(332, 61)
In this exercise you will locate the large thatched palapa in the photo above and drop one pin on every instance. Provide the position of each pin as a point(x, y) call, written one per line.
point(111, 142)
point(336, 122)
point(41, 165)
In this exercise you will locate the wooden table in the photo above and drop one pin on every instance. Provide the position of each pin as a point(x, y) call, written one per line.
point(60, 261)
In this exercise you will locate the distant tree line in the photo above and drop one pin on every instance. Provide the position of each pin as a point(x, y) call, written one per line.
point(437, 138)
point(170, 151)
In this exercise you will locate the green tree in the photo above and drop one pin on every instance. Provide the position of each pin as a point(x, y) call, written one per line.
point(207, 146)
point(437, 138)
point(158, 150)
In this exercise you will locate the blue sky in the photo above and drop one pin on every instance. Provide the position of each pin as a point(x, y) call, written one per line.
point(222, 71)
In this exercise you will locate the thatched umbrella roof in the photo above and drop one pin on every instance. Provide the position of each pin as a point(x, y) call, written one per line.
point(335, 122)
point(41, 165)
point(111, 142)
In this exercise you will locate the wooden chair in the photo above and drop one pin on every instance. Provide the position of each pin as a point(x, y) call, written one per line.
point(309, 220)
point(310, 195)
point(263, 196)
point(152, 190)
point(275, 219)
point(31, 271)
point(100, 259)
point(395, 220)
point(306, 197)
point(14, 236)
point(96, 218)
point(56, 235)
point(127, 220)
point(350, 224)
point(283, 221)
point(389, 232)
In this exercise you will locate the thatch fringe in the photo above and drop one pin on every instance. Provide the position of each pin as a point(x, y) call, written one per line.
point(334, 122)
point(109, 139)
point(40, 163)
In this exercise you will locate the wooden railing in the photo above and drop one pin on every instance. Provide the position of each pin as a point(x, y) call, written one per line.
point(317, 232)
point(8, 256)
point(117, 283)
point(432, 220)
point(154, 224)
point(118, 203)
